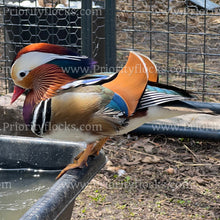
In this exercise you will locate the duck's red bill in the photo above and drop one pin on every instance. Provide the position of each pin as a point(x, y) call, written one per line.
point(17, 92)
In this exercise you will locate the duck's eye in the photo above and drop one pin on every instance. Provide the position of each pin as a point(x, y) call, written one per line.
point(22, 74)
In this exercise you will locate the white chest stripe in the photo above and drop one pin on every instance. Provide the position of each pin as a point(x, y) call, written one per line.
point(34, 120)
point(40, 117)
point(44, 116)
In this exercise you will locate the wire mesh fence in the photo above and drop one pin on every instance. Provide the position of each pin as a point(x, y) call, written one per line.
point(181, 38)
point(23, 22)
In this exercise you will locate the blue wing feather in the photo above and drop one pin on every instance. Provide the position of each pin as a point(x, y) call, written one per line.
point(94, 80)
point(162, 90)
point(118, 104)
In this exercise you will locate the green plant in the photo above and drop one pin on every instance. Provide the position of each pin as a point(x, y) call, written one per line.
point(98, 197)
point(84, 210)
point(127, 178)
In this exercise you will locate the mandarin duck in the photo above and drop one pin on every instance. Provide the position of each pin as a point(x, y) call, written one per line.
point(63, 101)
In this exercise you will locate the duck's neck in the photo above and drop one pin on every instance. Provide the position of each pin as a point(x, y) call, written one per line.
point(45, 86)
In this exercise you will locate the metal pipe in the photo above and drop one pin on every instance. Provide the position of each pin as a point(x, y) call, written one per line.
point(182, 131)
point(86, 24)
point(178, 131)
point(215, 107)
point(110, 35)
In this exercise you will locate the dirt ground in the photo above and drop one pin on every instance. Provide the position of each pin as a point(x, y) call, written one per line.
point(154, 177)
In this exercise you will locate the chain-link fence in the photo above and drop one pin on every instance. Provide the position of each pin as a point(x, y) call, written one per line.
point(182, 39)
point(71, 24)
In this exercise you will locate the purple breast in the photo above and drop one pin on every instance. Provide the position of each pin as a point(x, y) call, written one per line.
point(28, 112)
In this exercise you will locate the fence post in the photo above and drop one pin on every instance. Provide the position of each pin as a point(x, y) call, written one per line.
point(86, 23)
point(110, 35)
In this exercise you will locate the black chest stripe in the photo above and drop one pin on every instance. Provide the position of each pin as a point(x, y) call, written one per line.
point(41, 117)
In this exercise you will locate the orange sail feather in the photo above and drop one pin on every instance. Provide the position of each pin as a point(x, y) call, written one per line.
point(131, 81)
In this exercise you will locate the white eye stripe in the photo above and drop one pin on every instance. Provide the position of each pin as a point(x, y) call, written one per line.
point(34, 59)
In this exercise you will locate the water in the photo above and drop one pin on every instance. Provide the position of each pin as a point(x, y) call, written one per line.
point(21, 188)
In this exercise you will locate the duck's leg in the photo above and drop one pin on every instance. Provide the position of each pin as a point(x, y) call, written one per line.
point(98, 146)
point(81, 159)
point(95, 150)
